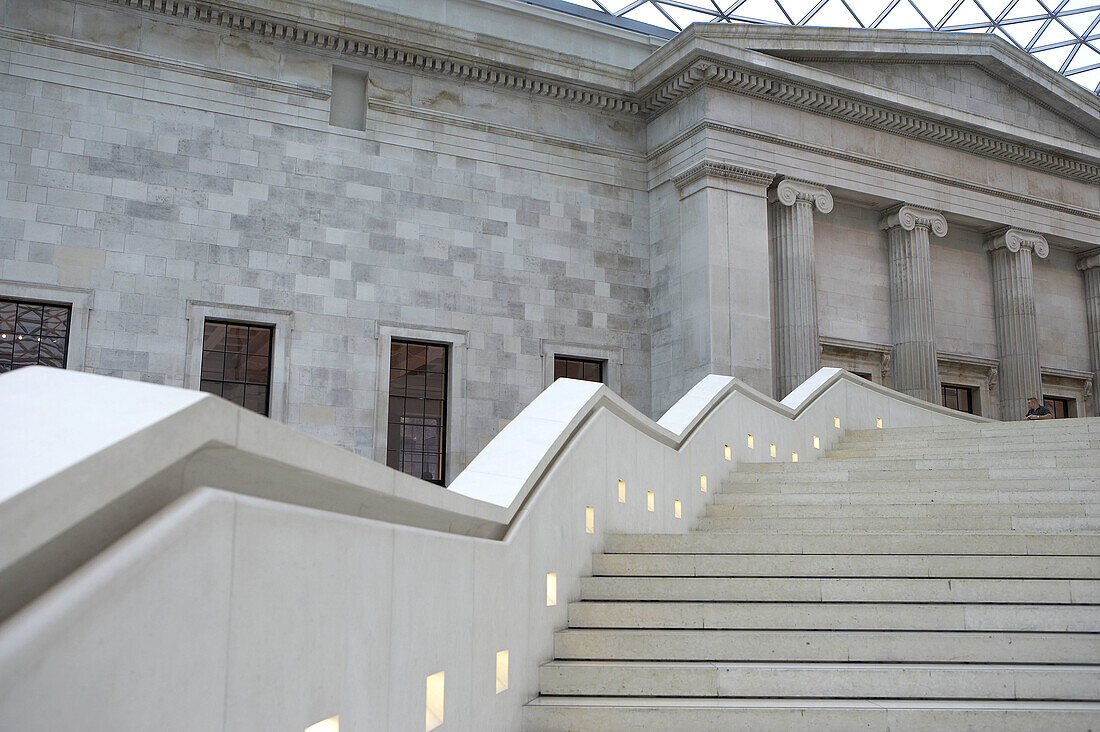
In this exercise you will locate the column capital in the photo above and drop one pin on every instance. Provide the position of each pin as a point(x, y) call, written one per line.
point(1014, 240)
point(709, 168)
point(910, 217)
point(793, 190)
point(1091, 260)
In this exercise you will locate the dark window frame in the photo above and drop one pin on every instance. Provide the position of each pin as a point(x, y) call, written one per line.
point(949, 391)
point(1066, 405)
point(396, 454)
point(564, 361)
point(270, 356)
point(8, 363)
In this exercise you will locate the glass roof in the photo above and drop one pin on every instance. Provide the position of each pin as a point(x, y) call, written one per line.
point(1063, 34)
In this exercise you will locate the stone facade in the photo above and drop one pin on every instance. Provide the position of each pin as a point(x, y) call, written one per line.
point(517, 184)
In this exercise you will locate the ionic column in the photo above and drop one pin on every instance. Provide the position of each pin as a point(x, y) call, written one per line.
point(911, 315)
point(794, 294)
point(1090, 266)
point(1014, 314)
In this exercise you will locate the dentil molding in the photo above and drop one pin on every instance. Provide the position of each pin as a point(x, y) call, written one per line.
point(726, 171)
point(1014, 240)
point(909, 217)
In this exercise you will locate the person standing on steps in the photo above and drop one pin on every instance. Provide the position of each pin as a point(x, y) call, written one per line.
point(1035, 410)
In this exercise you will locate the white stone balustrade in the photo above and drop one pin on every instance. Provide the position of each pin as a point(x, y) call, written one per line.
point(208, 555)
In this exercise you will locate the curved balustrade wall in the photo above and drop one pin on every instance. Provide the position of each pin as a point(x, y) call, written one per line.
point(293, 581)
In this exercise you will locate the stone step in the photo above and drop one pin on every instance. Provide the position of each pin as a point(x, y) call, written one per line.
point(614, 714)
point(972, 464)
point(928, 509)
point(842, 589)
point(846, 565)
point(1088, 498)
point(820, 680)
point(836, 616)
point(840, 482)
point(827, 645)
point(856, 522)
point(956, 448)
point(950, 543)
point(1022, 428)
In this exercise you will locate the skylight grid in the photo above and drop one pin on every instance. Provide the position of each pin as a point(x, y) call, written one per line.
point(1063, 34)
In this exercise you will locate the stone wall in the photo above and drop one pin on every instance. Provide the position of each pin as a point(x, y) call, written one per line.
point(158, 188)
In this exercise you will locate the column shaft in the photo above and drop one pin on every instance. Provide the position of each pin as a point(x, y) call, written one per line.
point(1014, 313)
point(1091, 269)
point(912, 321)
point(794, 290)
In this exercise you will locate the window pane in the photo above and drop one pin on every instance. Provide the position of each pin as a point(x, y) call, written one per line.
point(259, 341)
point(255, 398)
point(7, 316)
point(437, 359)
point(592, 371)
point(55, 321)
point(236, 338)
point(29, 319)
point(213, 387)
point(233, 392)
point(6, 348)
point(257, 369)
point(213, 365)
point(559, 368)
point(234, 366)
point(433, 388)
point(26, 352)
point(398, 352)
point(50, 352)
point(418, 356)
point(213, 337)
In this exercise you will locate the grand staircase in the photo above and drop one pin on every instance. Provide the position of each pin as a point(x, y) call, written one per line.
point(941, 578)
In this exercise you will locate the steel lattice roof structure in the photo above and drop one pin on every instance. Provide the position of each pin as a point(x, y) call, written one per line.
point(1063, 34)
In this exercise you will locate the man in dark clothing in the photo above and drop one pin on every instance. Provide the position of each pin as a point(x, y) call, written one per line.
point(1035, 410)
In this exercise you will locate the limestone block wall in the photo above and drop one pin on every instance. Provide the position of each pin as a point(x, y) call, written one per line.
point(1060, 310)
point(197, 167)
point(853, 286)
point(963, 291)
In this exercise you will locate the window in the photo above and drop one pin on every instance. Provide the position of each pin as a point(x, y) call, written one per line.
point(33, 334)
point(863, 375)
point(1060, 406)
point(236, 363)
point(585, 369)
point(416, 434)
point(958, 397)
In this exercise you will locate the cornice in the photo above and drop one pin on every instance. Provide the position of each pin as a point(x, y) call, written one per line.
point(725, 171)
point(706, 125)
point(718, 74)
point(909, 217)
point(345, 41)
point(1014, 240)
point(701, 71)
point(795, 190)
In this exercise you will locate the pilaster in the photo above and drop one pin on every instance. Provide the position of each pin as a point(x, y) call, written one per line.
point(911, 309)
point(725, 321)
point(1014, 313)
point(794, 292)
point(1090, 267)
